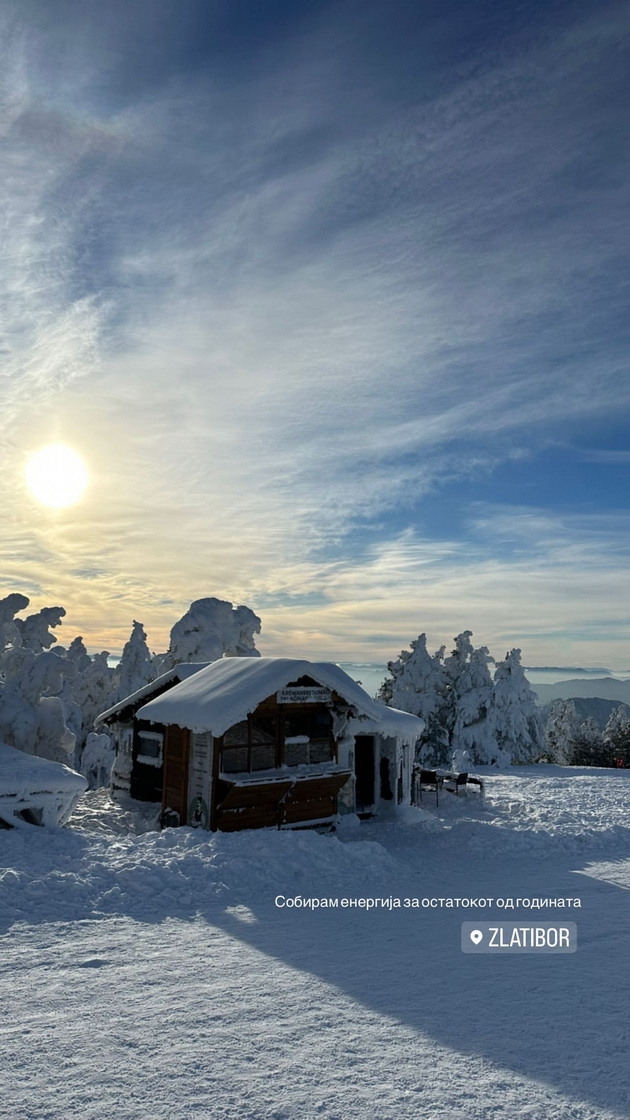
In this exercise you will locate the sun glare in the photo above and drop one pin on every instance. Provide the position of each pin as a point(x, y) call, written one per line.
point(56, 475)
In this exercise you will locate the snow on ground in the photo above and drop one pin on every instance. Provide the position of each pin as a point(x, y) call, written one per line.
point(149, 975)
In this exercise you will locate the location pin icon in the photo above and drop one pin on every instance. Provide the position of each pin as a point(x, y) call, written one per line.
point(476, 936)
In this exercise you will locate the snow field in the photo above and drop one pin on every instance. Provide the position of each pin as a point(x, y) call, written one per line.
point(149, 976)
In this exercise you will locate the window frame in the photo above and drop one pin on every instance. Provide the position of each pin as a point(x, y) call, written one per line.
point(143, 759)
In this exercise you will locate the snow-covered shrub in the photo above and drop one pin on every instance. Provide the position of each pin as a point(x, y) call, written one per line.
point(97, 759)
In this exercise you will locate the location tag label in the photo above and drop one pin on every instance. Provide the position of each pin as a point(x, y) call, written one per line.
point(501, 937)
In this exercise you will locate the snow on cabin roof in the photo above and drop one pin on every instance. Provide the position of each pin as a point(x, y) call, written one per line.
point(178, 673)
point(22, 775)
point(227, 690)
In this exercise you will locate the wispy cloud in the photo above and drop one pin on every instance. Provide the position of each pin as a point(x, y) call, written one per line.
point(272, 310)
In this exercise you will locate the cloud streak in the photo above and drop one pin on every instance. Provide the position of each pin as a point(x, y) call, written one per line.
point(276, 312)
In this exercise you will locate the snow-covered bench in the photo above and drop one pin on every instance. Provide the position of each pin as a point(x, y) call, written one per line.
point(35, 790)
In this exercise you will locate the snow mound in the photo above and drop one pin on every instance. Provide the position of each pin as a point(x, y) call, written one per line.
point(35, 790)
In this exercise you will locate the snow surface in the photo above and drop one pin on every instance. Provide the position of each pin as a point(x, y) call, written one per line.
point(226, 691)
point(148, 975)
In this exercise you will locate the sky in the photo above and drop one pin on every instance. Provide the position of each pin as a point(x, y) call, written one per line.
point(332, 298)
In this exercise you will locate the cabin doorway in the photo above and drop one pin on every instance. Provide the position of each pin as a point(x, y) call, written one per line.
point(364, 770)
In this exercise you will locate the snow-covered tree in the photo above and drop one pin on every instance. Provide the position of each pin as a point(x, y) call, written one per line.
point(561, 731)
point(35, 631)
point(588, 748)
point(616, 738)
point(211, 629)
point(418, 683)
point(474, 729)
point(31, 712)
point(519, 727)
point(93, 692)
point(135, 668)
point(77, 653)
point(471, 715)
point(9, 628)
point(32, 679)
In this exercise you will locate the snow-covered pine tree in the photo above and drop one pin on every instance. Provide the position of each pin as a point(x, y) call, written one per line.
point(561, 731)
point(31, 712)
point(77, 653)
point(418, 683)
point(471, 717)
point(9, 629)
point(475, 727)
point(211, 629)
point(135, 668)
point(35, 631)
point(587, 747)
point(518, 725)
point(93, 692)
point(616, 739)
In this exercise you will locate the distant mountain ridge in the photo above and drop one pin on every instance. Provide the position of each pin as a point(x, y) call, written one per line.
point(591, 707)
point(607, 688)
point(565, 669)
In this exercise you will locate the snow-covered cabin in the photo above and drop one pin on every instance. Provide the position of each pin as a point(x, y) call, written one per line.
point(35, 790)
point(276, 742)
point(137, 769)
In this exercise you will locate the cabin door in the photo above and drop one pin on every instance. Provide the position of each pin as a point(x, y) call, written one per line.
point(175, 789)
point(365, 794)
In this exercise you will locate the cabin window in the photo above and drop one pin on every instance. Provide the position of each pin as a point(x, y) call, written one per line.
point(234, 760)
point(296, 749)
point(238, 735)
point(263, 731)
point(301, 736)
point(307, 736)
point(150, 748)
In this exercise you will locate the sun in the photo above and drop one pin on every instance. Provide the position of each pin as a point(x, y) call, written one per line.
point(56, 475)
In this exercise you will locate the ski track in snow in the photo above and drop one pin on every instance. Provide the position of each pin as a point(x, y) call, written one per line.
point(147, 975)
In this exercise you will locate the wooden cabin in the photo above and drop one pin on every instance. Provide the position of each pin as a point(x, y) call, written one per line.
point(274, 742)
point(138, 769)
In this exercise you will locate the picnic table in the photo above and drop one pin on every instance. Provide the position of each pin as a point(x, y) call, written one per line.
point(433, 780)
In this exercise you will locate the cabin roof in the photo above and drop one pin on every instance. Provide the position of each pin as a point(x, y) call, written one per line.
point(175, 675)
point(226, 691)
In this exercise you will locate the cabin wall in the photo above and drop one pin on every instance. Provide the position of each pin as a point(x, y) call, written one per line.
point(122, 733)
point(394, 771)
point(147, 761)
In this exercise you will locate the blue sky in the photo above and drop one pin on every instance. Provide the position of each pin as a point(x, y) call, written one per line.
point(333, 300)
